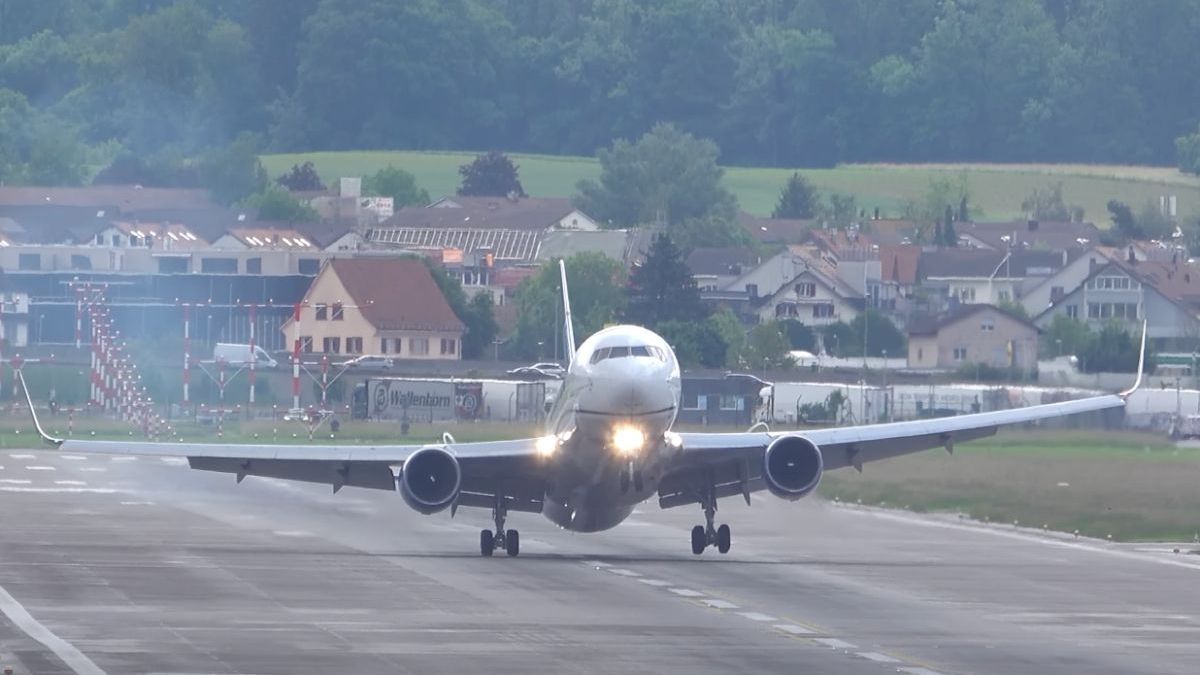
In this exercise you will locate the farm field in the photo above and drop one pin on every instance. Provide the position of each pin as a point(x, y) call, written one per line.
point(996, 189)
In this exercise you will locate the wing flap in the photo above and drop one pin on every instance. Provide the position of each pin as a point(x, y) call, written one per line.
point(376, 475)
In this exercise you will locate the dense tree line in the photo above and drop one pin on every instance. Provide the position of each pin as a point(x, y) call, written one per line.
point(778, 82)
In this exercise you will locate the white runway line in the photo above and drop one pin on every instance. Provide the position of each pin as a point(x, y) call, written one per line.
point(177, 461)
point(596, 563)
point(137, 503)
point(756, 616)
point(835, 643)
point(686, 593)
point(74, 458)
point(657, 583)
point(917, 671)
point(40, 468)
point(792, 629)
point(64, 650)
point(23, 456)
point(60, 490)
point(720, 604)
point(69, 482)
point(94, 469)
point(623, 572)
point(124, 458)
point(877, 657)
point(15, 481)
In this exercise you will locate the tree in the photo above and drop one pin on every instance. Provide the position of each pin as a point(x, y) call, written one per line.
point(799, 199)
point(233, 172)
point(398, 184)
point(477, 314)
point(301, 178)
point(662, 287)
point(766, 347)
point(490, 175)
point(695, 344)
point(1122, 219)
point(882, 335)
point(667, 177)
point(839, 340)
point(1064, 337)
point(1112, 350)
point(800, 337)
point(1187, 152)
point(596, 284)
point(1047, 204)
point(280, 205)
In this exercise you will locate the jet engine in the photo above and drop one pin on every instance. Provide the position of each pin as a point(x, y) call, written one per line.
point(792, 467)
point(430, 480)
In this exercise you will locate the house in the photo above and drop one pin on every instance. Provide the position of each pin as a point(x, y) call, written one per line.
point(1051, 289)
point(377, 306)
point(549, 212)
point(1127, 291)
point(798, 283)
point(775, 230)
point(715, 268)
point(731, 400)
point(253, 237)
point(973, 334)
point(984, 276)
point(1029, 235)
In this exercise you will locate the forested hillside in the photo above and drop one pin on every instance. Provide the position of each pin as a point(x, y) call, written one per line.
point(772, 82)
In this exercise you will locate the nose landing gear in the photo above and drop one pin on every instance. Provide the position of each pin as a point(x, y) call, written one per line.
point(509, 540)
point(632, 475)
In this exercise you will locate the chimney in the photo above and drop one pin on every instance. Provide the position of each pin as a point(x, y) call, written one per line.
point(1032, 225)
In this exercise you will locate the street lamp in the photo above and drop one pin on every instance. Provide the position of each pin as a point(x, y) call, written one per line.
point(41, 318)
point(1057, 347)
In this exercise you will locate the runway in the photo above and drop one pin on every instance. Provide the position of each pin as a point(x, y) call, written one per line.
point(143, 566)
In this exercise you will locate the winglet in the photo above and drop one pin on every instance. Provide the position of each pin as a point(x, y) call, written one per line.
point(1141, 366)
point(568, 328)
point(50, 440)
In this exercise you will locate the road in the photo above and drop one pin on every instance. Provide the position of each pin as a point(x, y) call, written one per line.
point(131, 566)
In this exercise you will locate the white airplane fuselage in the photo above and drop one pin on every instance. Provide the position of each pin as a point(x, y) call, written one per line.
point(611, 423)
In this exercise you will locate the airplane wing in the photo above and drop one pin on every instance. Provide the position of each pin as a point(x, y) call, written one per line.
point(512, 469)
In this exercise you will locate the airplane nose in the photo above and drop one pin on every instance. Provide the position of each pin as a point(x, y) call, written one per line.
point(624, 386)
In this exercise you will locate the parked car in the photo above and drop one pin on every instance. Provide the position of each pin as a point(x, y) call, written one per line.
point(236, 354)
point(540, 370)
point(369, 362)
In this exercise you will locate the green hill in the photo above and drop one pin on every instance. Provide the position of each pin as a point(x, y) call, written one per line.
point(996, 189)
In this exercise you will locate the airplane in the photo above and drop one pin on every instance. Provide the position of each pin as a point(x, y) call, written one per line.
point(608, 446)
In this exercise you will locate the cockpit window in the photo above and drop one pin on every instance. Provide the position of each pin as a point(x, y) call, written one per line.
point(635, 350)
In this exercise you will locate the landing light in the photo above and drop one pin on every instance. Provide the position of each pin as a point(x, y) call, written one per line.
point(627, 440)
point(546, 445)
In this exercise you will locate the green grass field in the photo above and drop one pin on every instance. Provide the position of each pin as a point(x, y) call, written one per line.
point(996, 189)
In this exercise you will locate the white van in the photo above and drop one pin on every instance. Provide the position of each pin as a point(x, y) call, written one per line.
point(240, 355)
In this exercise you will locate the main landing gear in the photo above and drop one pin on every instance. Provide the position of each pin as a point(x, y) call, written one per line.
point(509, 540)
point(706, 535)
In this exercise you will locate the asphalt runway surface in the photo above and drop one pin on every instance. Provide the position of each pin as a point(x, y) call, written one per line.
point(131, 566)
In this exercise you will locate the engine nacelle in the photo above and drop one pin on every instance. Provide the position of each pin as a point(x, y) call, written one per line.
point(792, 467)
point(430, 480)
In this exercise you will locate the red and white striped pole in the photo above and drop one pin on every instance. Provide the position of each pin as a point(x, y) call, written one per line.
point(253, 357)
point(78, 317)
point(324, 379)
point(296, 359)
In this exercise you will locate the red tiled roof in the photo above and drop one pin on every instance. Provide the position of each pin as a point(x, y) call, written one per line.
point(396, 293)
point(899, 264)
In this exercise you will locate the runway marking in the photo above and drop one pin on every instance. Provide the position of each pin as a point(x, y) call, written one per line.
point(124, 458)
point(62, 490)
point(686, 592)
point(292, 533)
point(40, 468)
point(64, 650)
point(15, 481)
point(877, 657)
point(793, 629)
point(69, 482)
point(137, 503)
point(916, 670)
point(596, 563)
point(835, 643)
point(74, 458)
point(757, 616)
point(94, 469)
point(622, 572)
point(23, 456)
point(719, 604)
point(177, 461)
point(657, 583)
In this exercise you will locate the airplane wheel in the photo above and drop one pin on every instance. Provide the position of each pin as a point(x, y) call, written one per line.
point(723, 538)
point(512, 543)
point(487, 543)
point(637, 481)
point(699, 540)
point(624, 482)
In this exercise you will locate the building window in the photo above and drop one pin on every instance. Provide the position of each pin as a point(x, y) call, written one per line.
point(966, 294)
point(418, 346)
point(806, 289)
point(786, 309)
point(1072, 311)
point(29, 261)
point(1005, 296)
point(219, 265)
point(960, 353)
point(822, 310)
point(1112, 310)
point(306, 344)
point(80, 262)
point(172, 265)
point(253, 265)
point(322, 311)
point(383, 345)
point(337, 311)
point(309, 266)
point(354, 345)
point(732, 402)
point(332, 345)
point(699, 402)
point(920, 353)
point(1056, 293)
point(449, 346)
point(987, 326)
point(1112, 284)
